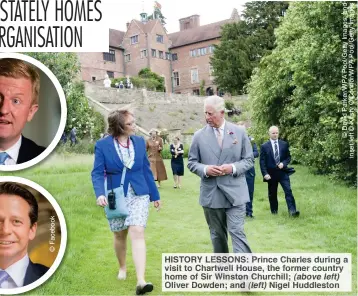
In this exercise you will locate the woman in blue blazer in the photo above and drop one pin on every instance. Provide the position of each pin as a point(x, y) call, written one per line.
point(121, 148)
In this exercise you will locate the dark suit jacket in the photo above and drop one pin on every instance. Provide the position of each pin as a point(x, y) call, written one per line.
point(251, 171)
point(139, 176)
point(34, 272)
point(267, 159)
point(28, 150)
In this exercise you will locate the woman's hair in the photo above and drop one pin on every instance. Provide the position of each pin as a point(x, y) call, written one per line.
point(15, 68)
point(116, 122)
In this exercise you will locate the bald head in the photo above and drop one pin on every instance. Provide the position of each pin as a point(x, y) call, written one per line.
point(273, 132)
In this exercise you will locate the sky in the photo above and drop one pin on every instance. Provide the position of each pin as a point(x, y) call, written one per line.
point(173, 10)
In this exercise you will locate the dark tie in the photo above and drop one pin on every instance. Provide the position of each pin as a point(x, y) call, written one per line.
point(3, 276)
point(3, 157)
point(277, 157)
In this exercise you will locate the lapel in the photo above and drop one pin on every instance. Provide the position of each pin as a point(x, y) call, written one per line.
point(135, 147)
point(30, 275)
point(212, 141)
point(113, 151)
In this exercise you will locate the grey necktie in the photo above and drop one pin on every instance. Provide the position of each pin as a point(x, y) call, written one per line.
point(3, 276)
point(219, 138)
point(277, 156)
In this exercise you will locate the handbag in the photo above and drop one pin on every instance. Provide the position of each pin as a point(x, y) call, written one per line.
point(121, 209)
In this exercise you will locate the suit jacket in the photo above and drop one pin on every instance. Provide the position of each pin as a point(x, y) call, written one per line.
point(251, 172)
point(221, 191)
point(28, 150)
point(139, 176)
point(267, 159)
point(33, 272)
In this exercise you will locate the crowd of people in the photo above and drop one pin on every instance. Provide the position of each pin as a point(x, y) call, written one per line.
point(221, 154)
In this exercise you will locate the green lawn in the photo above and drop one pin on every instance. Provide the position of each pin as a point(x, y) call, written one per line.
point(327, 224)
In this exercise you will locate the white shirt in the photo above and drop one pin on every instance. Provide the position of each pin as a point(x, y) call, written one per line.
point(17, 273)
point(13, 152)
point(273, 147)
point(221, 129)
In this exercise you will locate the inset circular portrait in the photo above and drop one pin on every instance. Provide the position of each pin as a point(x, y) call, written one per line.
point(33, 111)
point(33, 235)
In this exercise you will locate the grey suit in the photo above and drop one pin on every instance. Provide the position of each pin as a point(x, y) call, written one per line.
point(223, 198)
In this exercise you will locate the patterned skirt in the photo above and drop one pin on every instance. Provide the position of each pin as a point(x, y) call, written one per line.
point(138, 208)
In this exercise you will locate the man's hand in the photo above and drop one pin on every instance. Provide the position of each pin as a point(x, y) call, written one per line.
point(213, 170)
point(102, 201)
point(226, 169)
point(280, 166)
point(267, 177)
point(157, 205)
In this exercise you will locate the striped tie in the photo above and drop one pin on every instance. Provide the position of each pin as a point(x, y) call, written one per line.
point(3, 276)
point(277, 157)
point(3, 157)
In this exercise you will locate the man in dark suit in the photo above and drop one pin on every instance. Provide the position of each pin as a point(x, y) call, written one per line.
point(19, 92)
point(274, 159)
point(18, 217)
point(250, 175)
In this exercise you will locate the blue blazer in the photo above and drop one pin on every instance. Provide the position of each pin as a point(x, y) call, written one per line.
point(251, 172)
point(107, 161)
point(267, 158)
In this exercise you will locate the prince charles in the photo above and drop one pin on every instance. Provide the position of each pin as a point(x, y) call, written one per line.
point(220, 154)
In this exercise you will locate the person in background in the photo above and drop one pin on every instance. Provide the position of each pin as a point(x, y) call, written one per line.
point(274, 159)
point(177, 163)
point(73, 136)
point(118, 150)
point(107, 81)
point(250, 175)
point(154, 147)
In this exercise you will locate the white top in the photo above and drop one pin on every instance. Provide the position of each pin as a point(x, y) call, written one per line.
point(107, 82)
point(13, 152)
point(17, 273)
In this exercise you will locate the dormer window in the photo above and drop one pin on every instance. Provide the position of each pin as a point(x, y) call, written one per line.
point(134, 39)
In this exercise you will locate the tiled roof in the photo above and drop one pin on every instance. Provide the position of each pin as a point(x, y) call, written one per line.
point(147, 27)
point(115, 38)
point(202, 33)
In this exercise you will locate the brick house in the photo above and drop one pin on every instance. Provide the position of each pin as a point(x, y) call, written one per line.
point(182, 58)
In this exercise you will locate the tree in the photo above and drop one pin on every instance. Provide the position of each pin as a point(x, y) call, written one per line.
point(299, 88)
point(244, 43)
point(65, 66)
point(157, 14)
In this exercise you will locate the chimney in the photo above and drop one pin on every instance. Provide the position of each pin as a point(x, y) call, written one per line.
point(127, 24)
point(189, 22)
point(235, 15)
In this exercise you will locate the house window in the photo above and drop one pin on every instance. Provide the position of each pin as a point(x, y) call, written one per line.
point(196, 92)
point(134, 39)
point(203, 51)
point(211, 49)
point(174, 57)
point(176, 78)
point(161, 54)
point(198, 52)
point(194, 76)
point(110, 74)
point(167, 54)
point(160, 38)
point(127, 57)
point(109, 56)
point(143, 53)
point(193, 52)
point(93, 78)
point(154, 53)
